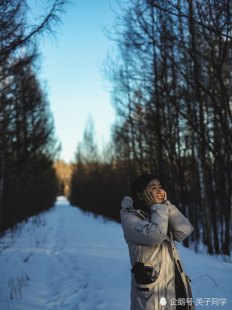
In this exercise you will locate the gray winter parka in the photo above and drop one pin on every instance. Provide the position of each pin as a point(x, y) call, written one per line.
point(150, 240)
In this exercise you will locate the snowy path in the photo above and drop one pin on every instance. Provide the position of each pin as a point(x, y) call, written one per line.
point(64, 259)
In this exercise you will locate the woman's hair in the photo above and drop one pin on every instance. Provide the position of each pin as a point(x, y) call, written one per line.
point(139, 185)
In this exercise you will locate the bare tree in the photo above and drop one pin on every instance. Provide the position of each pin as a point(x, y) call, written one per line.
point(27, 139)
point(176, 55)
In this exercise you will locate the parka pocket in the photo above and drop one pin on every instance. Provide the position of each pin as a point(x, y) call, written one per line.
point(145, 290)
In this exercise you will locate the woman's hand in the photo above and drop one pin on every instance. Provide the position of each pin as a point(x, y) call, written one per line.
point(127, 202)
point(161, 196)
point(151, 198)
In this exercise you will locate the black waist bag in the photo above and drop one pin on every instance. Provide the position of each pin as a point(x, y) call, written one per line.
point(144, 274)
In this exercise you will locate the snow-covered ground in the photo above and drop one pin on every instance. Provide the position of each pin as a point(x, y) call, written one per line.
point(65, 259)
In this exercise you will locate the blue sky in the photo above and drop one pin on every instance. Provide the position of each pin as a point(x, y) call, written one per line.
point(72, 67)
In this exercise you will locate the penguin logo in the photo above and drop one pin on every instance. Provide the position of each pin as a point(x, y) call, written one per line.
point(163, 301)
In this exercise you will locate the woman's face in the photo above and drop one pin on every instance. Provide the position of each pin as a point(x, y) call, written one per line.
point(155, 188)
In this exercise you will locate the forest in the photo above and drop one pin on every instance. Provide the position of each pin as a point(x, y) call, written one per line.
point(171, 90)
point(28, 144)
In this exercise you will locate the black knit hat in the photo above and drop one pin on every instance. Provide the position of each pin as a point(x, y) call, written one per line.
point(140, 183)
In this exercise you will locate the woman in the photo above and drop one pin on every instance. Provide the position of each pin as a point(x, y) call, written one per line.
point(151, 224)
